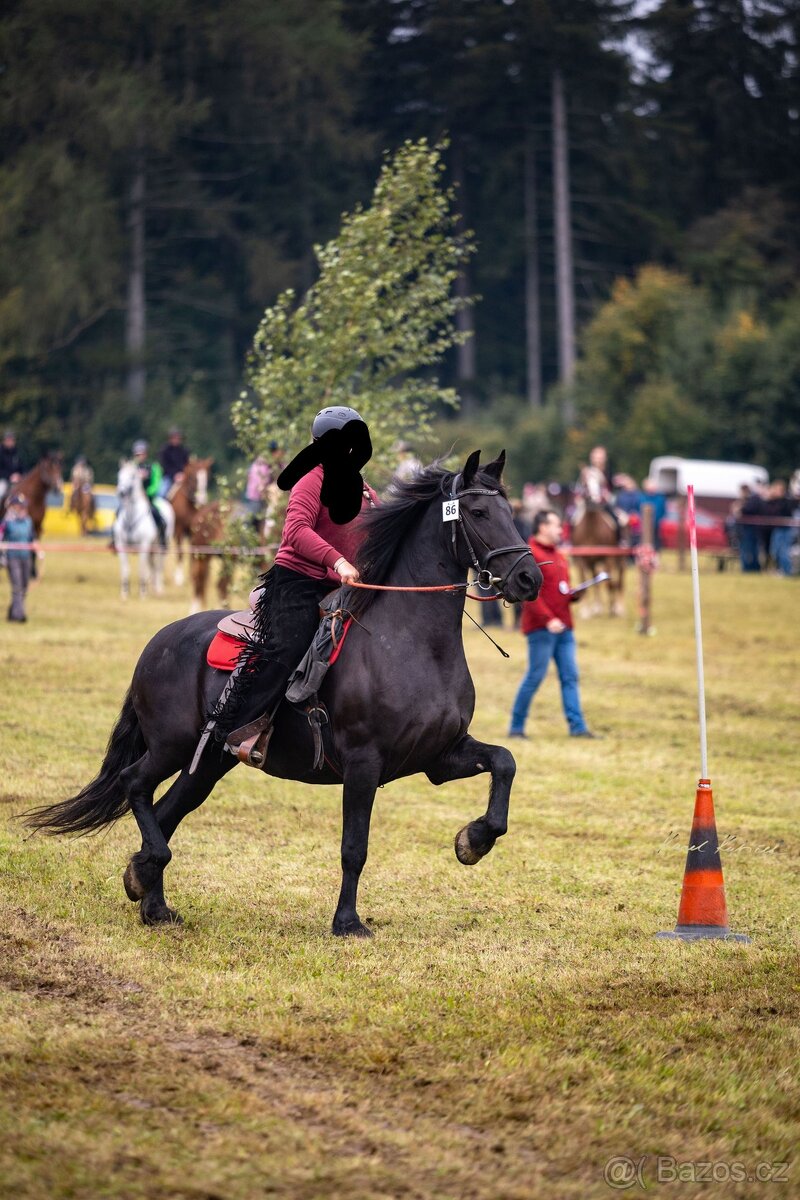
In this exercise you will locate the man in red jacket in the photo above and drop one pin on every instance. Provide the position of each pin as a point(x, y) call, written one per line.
point(547, 623)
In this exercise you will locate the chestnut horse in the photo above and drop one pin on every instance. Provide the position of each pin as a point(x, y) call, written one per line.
point(187, 496)
point(81, 502)
point(45, 477)
point(596, 527)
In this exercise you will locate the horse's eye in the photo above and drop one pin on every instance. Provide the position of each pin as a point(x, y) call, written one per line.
point(479, 512)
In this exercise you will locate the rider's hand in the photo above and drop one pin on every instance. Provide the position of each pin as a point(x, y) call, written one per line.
point(346, 571)
point(555, 626)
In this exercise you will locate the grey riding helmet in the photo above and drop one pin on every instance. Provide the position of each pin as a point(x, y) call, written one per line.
point(140, 447)
point(332, 418)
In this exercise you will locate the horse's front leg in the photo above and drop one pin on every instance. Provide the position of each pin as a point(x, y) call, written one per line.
point(144, 570)
point(618, 574)
point(124, 571)
point(157, 556)
point(467, 758)
point(178, 540)
point(361, 779)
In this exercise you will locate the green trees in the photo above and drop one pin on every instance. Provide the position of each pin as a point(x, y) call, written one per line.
point(167, 170)
point(666, 370)
point(383, 307)
point(165, 173)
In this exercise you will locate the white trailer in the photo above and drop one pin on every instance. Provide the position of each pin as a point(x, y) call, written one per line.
point(715, 483)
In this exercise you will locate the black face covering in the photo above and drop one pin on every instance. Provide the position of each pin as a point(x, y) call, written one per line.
point(341, 453)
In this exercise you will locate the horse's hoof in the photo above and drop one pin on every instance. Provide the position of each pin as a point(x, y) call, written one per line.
point(351, 929)
point(134, 889)
point(159, 914)
point(467, 851)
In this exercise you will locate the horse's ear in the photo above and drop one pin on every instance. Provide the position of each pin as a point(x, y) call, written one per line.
point(471, 468)
point(495, 469)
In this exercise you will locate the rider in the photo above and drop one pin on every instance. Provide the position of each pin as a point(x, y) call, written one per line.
point(10, 464)
point(151, 475)
point(173, 457)
point(82, 477)
point(315, 556)
point(594, 483)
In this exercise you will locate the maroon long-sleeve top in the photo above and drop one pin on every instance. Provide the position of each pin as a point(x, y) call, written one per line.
point(311, 543)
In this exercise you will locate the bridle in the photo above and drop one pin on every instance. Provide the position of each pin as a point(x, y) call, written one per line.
point(485, 579)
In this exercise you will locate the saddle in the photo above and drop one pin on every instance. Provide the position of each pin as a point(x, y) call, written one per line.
point(250, 742)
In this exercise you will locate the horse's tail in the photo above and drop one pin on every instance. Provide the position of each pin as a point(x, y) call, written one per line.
point(102, 801)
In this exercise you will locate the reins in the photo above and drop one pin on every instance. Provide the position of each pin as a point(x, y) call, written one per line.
point(485, 581)
point(443, 587)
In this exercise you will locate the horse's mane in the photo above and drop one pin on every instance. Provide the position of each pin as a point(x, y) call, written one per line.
point(387, 526)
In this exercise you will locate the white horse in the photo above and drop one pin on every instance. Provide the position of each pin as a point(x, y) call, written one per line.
point(135, 529)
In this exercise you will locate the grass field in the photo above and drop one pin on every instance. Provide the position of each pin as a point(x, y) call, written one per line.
point(512, 1026)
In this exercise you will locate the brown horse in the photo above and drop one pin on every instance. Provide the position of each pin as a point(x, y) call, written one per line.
point(208, 529)
point(596, 527)
point(81, 502)
point(187, 496)
point(45, 477)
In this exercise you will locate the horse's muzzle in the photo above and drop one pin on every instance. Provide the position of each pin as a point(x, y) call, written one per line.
point(523, 583)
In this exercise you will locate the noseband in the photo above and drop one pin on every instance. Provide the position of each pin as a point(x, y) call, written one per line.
point(486, 580)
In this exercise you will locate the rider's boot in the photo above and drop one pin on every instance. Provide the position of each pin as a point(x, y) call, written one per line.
point(250, 739)
point(161, 525)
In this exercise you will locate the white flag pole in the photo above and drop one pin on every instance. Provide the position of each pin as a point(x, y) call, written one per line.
point(698, 632)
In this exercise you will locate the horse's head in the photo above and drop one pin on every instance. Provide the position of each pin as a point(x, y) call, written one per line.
point(51, 471)
point(128, 479)
point(593, 486)
point(484, 536)
point(195, 480)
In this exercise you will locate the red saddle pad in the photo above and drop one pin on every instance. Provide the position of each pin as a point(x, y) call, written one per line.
point(224, 651)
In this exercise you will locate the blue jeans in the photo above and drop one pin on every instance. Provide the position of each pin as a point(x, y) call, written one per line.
point(780, 545)
point(748, 547)
point(542, 647)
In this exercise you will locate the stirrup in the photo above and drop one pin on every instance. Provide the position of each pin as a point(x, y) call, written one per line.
point(250, 742)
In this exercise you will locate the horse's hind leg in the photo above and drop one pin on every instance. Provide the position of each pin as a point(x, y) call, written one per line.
point(467, 758)
point(198, 569)
point(139, 782)
point(144, 878)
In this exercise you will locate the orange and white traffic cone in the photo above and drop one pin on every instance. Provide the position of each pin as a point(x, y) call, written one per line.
point(703, 912)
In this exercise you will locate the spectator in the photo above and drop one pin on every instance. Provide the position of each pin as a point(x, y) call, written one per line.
point(751, 505)
point(172, 457)
point(547, 624)
point(627, 500)
point(259, 478)
point(652, 494)
point(10, 463)
point(18, 527)
point(779, 506)
point(534, 499)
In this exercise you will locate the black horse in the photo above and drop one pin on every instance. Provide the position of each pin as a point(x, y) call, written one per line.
point(400, 697)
